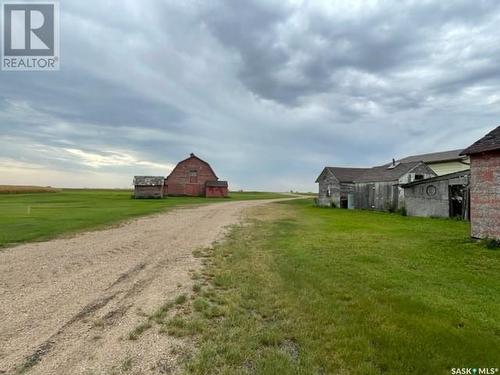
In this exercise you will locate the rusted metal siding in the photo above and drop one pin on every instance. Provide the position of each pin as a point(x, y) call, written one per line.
point(485, 195)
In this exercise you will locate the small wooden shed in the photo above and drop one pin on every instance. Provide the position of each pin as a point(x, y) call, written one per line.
point(148, 186)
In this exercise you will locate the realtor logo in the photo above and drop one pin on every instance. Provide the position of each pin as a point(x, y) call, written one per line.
point(30, 35)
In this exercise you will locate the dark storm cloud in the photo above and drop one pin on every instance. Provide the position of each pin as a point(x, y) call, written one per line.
point(377, 40)
point(268, 91)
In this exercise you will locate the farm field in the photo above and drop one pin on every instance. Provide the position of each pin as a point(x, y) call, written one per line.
point(29, 217)
point(14, 189)
point(304, 290)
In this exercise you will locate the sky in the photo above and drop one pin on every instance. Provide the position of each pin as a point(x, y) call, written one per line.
point(268, 92)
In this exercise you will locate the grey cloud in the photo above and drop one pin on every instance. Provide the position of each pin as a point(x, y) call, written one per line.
point(383, 40)
point(268, 92)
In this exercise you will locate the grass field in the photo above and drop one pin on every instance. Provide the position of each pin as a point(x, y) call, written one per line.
point(304, 290)
point(28, 217)
point(14, 189)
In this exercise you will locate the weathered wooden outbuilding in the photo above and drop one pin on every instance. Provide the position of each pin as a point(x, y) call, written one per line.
point(485, 186)
point(442, 196)
point(336, 186)
point(148, 186)
point(194, 177)
point(377, 188)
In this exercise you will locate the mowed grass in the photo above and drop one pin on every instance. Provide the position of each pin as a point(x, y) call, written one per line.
point(304, 290)
point(29, 217)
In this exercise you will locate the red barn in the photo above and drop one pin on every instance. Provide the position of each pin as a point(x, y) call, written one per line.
point(195, 177)
point(485, 186)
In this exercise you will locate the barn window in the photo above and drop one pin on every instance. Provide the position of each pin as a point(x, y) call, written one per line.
point(419, 177)
point(431, 190)
point(193, 176)
point(329, 191)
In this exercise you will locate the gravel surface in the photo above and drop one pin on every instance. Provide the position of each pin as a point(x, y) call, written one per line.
point(68, 305)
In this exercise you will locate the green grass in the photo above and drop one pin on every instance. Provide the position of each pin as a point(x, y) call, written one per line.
point(304, 290)
point(29, 217)
point(139, 330)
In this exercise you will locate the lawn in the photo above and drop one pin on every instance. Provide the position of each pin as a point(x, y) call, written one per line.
point(305, 290)
point(29, 217)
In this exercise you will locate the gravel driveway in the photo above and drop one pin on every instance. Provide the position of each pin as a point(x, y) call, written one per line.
point(68, 305)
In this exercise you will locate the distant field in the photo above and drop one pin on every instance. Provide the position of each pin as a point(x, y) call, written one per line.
point(305, 290)
point(13, 189)
point(29, 217)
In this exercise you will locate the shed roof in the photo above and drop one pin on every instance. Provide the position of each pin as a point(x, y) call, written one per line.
point(384, 173)
point(347, 174)
point(381, 173)
point(435, 157)
point(438, 178)
point(490, 142)
point(149, 180)
point(216, 183)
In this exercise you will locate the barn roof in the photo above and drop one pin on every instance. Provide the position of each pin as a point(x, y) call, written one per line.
point(490, 142)
point(193, 156)
point(387, 173)
point(216, 183)
point(149, 180)
point(347, 174)
point(435, 157)
point(381, 173)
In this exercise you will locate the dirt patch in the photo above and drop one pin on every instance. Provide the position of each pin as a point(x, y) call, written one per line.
point(68, 305)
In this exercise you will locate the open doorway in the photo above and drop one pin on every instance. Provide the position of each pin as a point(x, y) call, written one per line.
point(457, 196)
point(344, 203)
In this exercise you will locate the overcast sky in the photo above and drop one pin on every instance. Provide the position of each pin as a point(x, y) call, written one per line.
point(268, 92)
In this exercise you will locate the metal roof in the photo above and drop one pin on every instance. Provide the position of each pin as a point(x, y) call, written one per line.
point(149, 180)
point(490, 142)
point(435, 157)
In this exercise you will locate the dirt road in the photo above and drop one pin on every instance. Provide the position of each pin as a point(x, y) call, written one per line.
point(67, 306)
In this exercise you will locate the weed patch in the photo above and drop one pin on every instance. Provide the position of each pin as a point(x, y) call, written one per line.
point(139, 330)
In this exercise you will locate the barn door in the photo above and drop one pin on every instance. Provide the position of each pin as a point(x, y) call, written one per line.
point(395, 197)
point(350, 201)
point(190, 189)
point(371, 196)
